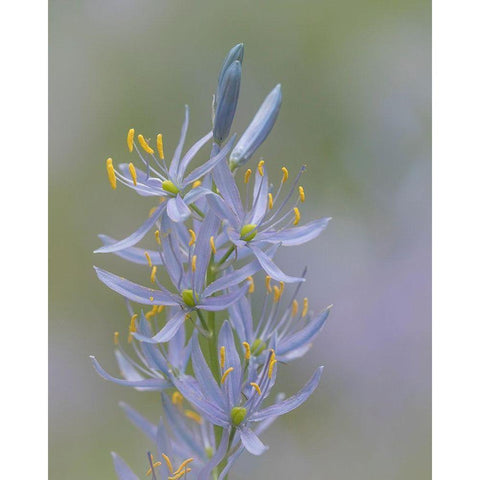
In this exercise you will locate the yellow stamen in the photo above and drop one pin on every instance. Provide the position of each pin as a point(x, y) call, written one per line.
point(305, 307)
point(285, 174)
point(194, 263)
point(196, 183)
point(183, 465)
point(212, 245)
point(180, 474)
point(149, 260)
point(151, 211)
point(294, 308)
point(256, 387)
point(248, 352)
point(276, 294)
point(177, 398)
point(222, 357)
point(160, 146)
point(246, 177)
point(193, 416)
point(133, 173)
point(153, 311)
point(155, 465)
point(130, 135)
point(282, 287)
point(115, 338)
point(157, 237)
point(251, 287)
point(151, 299)
point(301, 192)
point(111, 173)
point(270, 201)
point(260, 167)
point(268, 279)
point(153, 274)
point(296, 211)
point(193, 237)
point(168, 462)
point(144, 144)
point(133, 325)
point(272, 363)
point(226, 374)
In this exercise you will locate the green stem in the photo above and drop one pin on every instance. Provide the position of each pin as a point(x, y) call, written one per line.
point(227, 254)
point(197, 210)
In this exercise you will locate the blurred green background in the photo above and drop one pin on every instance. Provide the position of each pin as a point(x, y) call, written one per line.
point(356, 85)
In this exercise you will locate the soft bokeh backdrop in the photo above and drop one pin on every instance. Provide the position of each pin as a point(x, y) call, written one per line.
point(356, 83)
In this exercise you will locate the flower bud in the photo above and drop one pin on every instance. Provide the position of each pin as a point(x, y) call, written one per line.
point(258, 129)
point(227, 101)
point(236, 53)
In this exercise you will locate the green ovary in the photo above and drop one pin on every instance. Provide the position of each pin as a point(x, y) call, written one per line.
point(189, 298)
point(248, 232)
point(169, 186)
point(238, 415)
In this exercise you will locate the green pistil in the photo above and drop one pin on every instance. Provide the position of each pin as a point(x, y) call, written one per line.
point(258, 346)
point(188, 298)
point(238, 415)
point(169, 186)
point(248, 232)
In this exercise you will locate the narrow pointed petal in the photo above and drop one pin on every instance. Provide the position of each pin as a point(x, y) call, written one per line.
point(148, 428)
point(297, 235)
point(205, 473)
point(133, 291)
point(241, 318)
point(223, 210)
point(133, 254)
point(251, 442)
point(222, 302)
point(152, 354)
point(271, 269)
point(178, 151)
point(122, 470)
point(290, 403)
point(177, 210)
point(190, 155)
point(225, 338)
point(167, 332)
point(260, 196)
point(196, 194)
point(233, 278)
point(136, 236)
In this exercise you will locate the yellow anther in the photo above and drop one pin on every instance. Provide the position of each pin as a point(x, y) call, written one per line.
point(160, 308)
point(296, 211)
point(144, 144)
point(180, 474)
point(111, 173)
point(153, 274)
point(151, 299)
point(246, 177)
point(133, 325)
point(193, 237)
point(151, 211)
point(168, 462)
point(193, 416)
point(228, 371)
point(115, 338)
point(212, 245)
point(194, 263)
point(154, 465)
point(153, 311)
point(294, 308)
point(305, 307)
point(268, 279)
point(301, 192)
point(248, 352)
point(270, 201)
point(260, 167)
point(149, 260)
point(177, 398)
point(282, 287)
point(272, 363)
point(133, 173)
point(285, 174)
point(256, 387)
point(196, 183)
point(276, 294)
point(130, 135)
point(222, 357)
point(160, 146)
point(251, 287)
point(157, 237)
point(183, 465)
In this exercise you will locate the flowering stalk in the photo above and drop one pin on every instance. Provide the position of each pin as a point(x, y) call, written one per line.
point(196, 337)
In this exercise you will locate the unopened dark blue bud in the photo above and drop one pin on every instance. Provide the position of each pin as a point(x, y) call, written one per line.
point(235, 54)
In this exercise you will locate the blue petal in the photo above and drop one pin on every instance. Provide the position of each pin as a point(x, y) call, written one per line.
point(167, 332)
point(122, 470)
point(196, 194)
point(241, 318)
point(177, 210)
point(153, 357)
point(178, 151)
point(228, 188)
point(271, 269)
point(260, 197)
point(251, 442)
point(189, 156)
point(205, 473)
point(148, 428)
point(216, 304)
point(297, 235)
point(136, 236)
point(290, 403)
point(133, 291)
point(223, 210)
point(225, 339)
point(133, 254)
